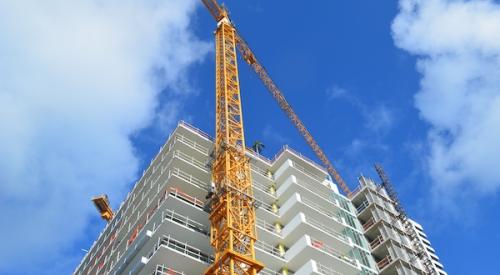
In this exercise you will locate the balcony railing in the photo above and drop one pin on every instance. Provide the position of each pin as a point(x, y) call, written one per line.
point(293, 151)
point(163, 270)
point(181, 247)
point(268, 248)
point(192, 144)
point(267, 226)
point(378, 240)
point(175, 192)
point(186, 222)
point(260, 171)
point(196, 130)
point(188, 178)
point(190, 159)
point(331, 251)
point(325, 228)
point(323, 269)
point(262, 187)
point(303, 170)
point(321, 209)
point(362, 207)
point(267, 271)
point(314, 189)
point(384, 262)
point(369, 223)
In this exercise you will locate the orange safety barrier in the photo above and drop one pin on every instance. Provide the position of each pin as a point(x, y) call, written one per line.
point(134, 235)
point(317, 244)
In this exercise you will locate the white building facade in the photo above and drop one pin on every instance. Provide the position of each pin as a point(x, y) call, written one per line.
point(304, 225)
point(429, 250)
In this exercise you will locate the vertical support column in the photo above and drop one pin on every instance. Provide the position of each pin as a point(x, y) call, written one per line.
point(232, 215)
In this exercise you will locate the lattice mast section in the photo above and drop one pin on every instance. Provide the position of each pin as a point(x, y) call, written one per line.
point(409, 230)
point(232, 215)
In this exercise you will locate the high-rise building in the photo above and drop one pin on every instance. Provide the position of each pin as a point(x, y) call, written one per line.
point(304, 225)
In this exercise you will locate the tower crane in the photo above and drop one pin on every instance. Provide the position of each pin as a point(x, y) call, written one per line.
point(232, 213)
point(217, 13)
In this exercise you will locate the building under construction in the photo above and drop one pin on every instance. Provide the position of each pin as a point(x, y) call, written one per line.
point(304, 224)
point(211, 206)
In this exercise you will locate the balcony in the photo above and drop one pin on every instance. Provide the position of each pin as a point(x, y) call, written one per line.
point(369, 223)
point(185, 229)
point(362, 207)
point(312, 190)
point(179, 179)
point(261, 173)
point(177, 255)
point(325, 270)
point(187, 163)
point(316, 268)
point(268, 232)
point(384, 262)
point(191, 146)
point(301, 225)
point(376, 242)
point(296, 204)
point(308, 248)
point(271, 256)
point(263, 192)
point(185, 204)
point(163, 270)
point(290, 167)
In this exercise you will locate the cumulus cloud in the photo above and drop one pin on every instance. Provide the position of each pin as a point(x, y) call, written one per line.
point(77, 78)
point(457, 44)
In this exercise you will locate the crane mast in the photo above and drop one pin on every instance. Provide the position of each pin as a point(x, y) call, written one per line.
point(232, 215)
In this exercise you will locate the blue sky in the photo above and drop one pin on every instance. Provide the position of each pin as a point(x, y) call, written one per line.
point(412, 84)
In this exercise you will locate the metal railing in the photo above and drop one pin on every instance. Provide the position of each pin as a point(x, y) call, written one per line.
point(362, 207)
point(326, 270)
point(192, 143)
point(299, 155)
point(369, 223)
point(311, 187)
point(268, 248)
point(325, 228)
point(196, 130)
point(262, 187)
point(163, 270)
point(190, 159)
point(174, 192)
point(260, 171)
point(321, 209)
point(377, 241)
point(181, 247)
point(189, 178)
point(267, 226)
point(384, 262)
point(303, 170)
point(186, 222)
point(332, 251)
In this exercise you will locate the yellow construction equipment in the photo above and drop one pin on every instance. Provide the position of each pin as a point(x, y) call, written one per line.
point(101, 202)
point(232, 216)
point(232, 213)
point(217, 13)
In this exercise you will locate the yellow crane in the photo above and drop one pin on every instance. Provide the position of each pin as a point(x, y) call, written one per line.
point(232, 213)
point(101, 202)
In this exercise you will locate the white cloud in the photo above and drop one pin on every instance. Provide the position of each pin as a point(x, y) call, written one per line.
point(377, 117)
point(458, 48)
point(77, 78)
